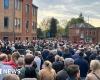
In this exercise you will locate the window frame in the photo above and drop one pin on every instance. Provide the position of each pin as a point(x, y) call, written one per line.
point(27, 26)
point(6, 4)
point(18, 4)
point(6, 22)
point(27, 8)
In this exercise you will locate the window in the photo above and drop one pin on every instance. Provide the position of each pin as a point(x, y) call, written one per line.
point(17, 4)
point(19, 38)
point(6, 4)
point(6, 22)
point(18, 22)
point(90, 32)
point(34, 12)
point(33, 25)
point(27, 38)
point(93, 33)
point(27, 26)
point(16, 38)
point(5, 38)
point(27, 8)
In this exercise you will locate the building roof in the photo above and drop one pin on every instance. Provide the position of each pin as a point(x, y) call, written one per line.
point(82, 25)
point(34, 6)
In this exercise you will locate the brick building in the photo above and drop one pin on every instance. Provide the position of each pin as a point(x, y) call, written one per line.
point(84, 32)
point(18, 20)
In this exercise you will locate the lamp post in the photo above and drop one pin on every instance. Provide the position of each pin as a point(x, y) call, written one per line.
point(14, 23)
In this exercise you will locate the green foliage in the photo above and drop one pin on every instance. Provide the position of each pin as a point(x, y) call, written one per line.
point(46, 33)
point(61, 32)
point(78, 20)
point(74, 21)
point(39, 33)
point(66, 31)
point(53, 27)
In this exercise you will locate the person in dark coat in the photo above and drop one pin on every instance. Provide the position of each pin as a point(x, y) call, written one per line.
point(45, 53)
point(67, 54)
point(29, 70)
point(63, 75)
point(51, 57)
point(57, 65)
point(76, 55)
point(71, 51)
point(83, 65)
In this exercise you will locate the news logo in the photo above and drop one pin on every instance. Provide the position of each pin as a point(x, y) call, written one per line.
point(9, 71)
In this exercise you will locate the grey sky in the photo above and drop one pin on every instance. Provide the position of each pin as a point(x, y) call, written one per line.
point(66, 9)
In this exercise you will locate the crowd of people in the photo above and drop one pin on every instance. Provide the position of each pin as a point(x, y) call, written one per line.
point(49, 60)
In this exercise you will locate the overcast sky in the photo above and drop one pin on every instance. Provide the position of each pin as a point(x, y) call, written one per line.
point(66, 9)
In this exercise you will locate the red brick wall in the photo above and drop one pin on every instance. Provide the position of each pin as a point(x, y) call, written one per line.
point(98, 34)
point(74, 34)
point(22, 14)
point(25, 18)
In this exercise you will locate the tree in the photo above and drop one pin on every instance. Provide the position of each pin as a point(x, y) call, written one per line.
point(45, 24)
point(53, 27)
point(81, 16)
point(66, 31)
point(80, 19)
point(39, 33)
point(63, 23)
point(61, 32)
point(75, 21)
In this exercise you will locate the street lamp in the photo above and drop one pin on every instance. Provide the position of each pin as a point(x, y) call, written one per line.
point(14, 23)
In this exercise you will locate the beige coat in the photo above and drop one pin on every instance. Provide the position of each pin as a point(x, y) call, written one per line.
point(91, 76)
point(46, 74)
